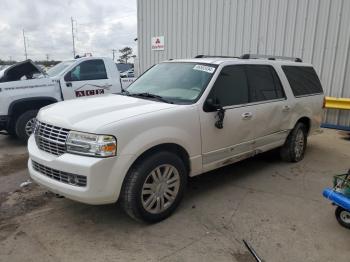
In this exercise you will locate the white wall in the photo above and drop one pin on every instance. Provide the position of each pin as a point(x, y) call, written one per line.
point(318, 31)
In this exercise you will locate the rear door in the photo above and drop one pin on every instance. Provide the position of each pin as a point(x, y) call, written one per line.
point(88, 78)
point(272, 108)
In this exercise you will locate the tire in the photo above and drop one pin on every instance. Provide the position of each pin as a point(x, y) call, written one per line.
point(294, 148)
point(343, 217)
point(140, 201)
point(11, 129)
point(23, 123)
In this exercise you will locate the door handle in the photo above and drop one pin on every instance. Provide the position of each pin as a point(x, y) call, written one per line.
point(68, 84)
point(247, 115)
point(286, 108)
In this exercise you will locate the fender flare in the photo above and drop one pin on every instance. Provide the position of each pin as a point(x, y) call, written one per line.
point(30, 99)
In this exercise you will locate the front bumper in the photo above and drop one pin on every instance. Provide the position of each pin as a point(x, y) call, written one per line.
point(104, 176)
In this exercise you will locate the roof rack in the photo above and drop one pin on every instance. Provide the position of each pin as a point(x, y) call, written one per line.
point(212, 56)
point(269, 57)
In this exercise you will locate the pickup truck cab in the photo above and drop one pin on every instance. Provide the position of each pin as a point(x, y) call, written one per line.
point(179, 119)
point(25, 88)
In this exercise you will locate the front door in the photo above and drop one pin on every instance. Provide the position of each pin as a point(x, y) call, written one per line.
point(235, 140)
point(88, 78)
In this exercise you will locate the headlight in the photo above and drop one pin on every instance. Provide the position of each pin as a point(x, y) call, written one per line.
point(91, 145)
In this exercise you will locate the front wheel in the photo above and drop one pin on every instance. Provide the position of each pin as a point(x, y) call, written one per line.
point(343, 217)
point(24, 124)
point(154, 187)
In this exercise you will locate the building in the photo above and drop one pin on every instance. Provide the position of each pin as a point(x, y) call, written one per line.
point(318, 31)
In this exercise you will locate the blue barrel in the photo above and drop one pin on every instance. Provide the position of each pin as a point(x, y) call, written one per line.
point(337, 198)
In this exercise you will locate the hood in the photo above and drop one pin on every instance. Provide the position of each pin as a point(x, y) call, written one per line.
point(17, 71)
point(92, 113)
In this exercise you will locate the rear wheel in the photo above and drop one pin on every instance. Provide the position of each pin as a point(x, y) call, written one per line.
point(154, 187)
point(343, 217)
point(25, 124)
point(294, 148)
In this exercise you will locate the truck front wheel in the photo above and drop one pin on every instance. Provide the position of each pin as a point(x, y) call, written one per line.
point(25, 123)
point(11, 129)
point(154, 187)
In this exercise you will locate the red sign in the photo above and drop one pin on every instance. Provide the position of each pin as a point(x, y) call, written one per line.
point(157, 43)
point(90, 92)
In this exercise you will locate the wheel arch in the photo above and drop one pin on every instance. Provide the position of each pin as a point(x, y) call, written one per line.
point(17, 107)
point(32, 103)
point(306, 121)
point(168, 147)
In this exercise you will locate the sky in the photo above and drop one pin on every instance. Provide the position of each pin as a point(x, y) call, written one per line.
point(99, 26)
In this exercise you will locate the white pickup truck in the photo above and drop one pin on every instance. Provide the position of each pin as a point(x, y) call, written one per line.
point(181, 118)
point(25, 88)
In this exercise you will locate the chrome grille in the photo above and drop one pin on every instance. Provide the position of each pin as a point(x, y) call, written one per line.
point(64, 177)
point(51, 139)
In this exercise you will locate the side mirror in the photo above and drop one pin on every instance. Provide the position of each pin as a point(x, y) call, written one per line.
point(68, 77)
point(211, 105)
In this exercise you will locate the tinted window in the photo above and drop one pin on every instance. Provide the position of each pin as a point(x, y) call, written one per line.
point(303, 80)
point(231, 87)
point(89, 70)
point(264, 83)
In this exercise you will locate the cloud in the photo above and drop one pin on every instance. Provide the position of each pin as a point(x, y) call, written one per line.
point(100, 26)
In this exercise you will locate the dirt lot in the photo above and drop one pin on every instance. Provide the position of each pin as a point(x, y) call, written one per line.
point(277, 207)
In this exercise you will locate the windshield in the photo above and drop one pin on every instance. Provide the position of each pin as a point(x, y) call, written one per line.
point(54, 71)
point(178, 82)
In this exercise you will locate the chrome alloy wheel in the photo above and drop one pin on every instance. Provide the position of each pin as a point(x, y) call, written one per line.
point(160, 189)
point(299, 144)
point(345, 216)
point(30, 126)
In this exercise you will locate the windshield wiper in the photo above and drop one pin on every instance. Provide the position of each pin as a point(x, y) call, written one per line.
point(149, 95)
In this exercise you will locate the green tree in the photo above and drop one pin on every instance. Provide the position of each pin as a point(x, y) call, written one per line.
point(126, 54)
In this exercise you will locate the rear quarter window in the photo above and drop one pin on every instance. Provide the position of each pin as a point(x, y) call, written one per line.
point(303, 80)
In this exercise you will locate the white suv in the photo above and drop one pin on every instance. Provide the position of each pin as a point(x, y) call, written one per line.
point(179, 119)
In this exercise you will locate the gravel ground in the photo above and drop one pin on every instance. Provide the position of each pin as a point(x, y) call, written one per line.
point(277, 207)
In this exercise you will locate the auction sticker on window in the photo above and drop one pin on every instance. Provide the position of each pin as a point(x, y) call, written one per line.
point(204, 68)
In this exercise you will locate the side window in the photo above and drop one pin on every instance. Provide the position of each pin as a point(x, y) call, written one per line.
point(264, 83)
point(89, 70)
point(231, 87)
point(303, 80)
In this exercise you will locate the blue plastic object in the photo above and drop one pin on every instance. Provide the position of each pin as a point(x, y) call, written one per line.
point(337, 198)
point(338, 127)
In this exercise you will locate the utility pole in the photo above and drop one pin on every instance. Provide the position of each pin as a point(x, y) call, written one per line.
point(25, 45)
point(72, 21)
point(47, 57)
point(113, 52)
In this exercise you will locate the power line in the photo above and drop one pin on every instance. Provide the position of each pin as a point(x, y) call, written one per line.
point(108, 20)
point(25, 45)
